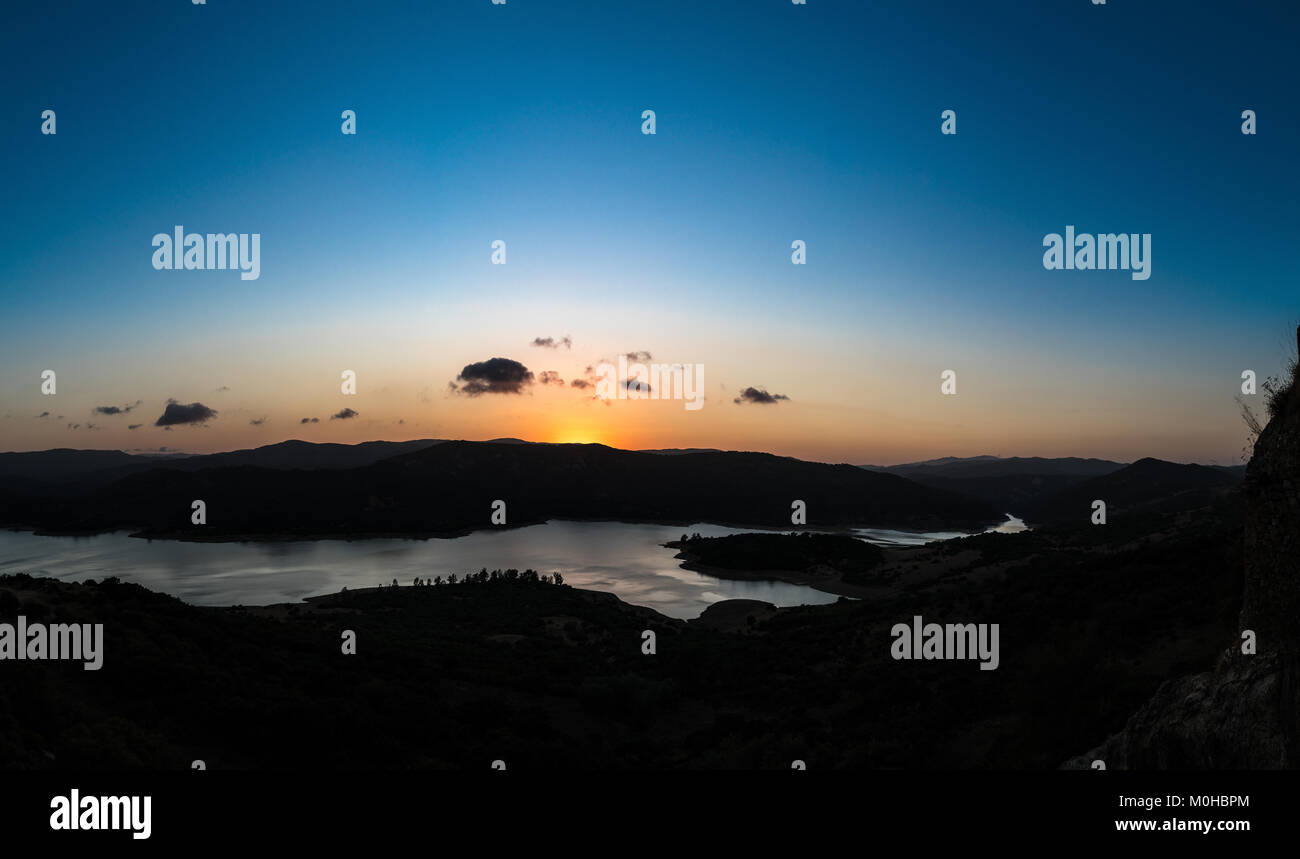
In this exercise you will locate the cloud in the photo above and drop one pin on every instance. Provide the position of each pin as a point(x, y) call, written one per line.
point(638, 356)
point(344, 415)
point(43, 415)
point(580, 383)
point(550, 377)
point(115, 410)
point(179, 413)
point(551, 343)
point(257, 422)
point(493, 376)
point(637, 385)
point(309, 421)
point(74, 426)
point(134, 426)
point(223, 389)
point(758, 395)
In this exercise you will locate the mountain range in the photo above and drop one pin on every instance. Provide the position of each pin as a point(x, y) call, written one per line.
point(1027, 485)
point(438, 487)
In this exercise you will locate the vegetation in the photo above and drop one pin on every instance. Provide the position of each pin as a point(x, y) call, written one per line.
point(796, 551)
point(545, 677)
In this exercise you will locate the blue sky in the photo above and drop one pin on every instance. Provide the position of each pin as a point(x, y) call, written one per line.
point(775, 122)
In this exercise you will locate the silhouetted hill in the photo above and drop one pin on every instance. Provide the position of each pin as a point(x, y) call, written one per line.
point(950, 467)
point(1013, 484)
point(1147, 486)
point(450, 487)
point(61, 463)
point(72, 470)
point(307, 455)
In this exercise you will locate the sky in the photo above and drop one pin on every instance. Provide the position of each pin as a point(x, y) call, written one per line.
point(523, 123)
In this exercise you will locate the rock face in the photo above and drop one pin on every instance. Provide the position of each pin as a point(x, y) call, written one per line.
point(1245, 714)
point(1271, 601)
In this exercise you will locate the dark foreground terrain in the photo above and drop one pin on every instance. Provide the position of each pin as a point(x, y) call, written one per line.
point(543, 675)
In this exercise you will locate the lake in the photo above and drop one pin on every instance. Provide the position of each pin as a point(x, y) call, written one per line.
point(628, 560)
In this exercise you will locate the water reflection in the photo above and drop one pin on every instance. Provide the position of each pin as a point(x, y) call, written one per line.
point(628, 560)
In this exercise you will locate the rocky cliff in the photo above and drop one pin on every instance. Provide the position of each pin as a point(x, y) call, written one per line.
point(1245, 714)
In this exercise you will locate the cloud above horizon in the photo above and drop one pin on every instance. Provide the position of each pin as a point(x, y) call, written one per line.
point(493, 376)
point(179, 413)
point(344, 414)
point(551, 343)
point(759, 396)
point(115, 410)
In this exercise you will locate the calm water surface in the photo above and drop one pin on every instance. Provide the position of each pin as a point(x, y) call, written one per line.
point(628, 560)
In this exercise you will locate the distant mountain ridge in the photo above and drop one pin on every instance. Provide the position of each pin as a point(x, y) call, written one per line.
point(98, 467)
point(450, 487)
point(1026, 485)
point(985, 466)
point(1147, 486)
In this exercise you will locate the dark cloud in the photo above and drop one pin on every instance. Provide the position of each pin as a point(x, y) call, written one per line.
point(43, 415)
point(115, 410)
point(638, 385)
point(257, 422)
point(74, 426)
point(550, 377)
point(638, 356)
point(493, 376)
point(344, 415)
point(758, 395)
point(134, 426)
point(551, 343)
point(309, 421)
point(580, 383)
point(180, 413)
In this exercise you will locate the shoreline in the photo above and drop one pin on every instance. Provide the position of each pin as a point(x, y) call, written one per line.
point(423, 536)
point(831, 583)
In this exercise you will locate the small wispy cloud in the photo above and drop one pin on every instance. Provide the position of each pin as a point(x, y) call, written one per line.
point(759, 396)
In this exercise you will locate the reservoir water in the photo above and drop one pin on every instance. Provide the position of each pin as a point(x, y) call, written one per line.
point(626, 559)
